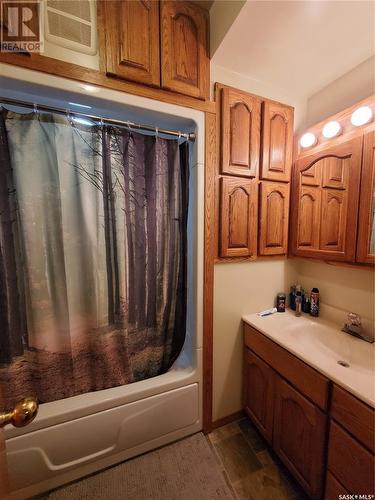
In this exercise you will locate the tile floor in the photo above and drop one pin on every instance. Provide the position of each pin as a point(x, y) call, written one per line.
point(252, 470)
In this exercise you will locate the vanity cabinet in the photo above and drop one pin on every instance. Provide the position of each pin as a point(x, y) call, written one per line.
point(325, 202)
point(366, 222)
point(163, 44)
point(299, 436)
point(351, 444)
point(259, 393)
point(323, 434)
point(256, 142)
point(287, 400)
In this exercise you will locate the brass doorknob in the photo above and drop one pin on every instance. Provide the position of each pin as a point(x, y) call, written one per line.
point(22, 414)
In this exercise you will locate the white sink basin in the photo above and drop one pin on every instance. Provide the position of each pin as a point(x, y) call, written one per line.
point(348, 361)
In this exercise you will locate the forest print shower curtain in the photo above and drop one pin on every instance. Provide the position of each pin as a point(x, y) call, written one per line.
point(93, 255)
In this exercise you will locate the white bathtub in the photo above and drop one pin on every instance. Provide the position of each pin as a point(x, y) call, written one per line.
point(83, 434)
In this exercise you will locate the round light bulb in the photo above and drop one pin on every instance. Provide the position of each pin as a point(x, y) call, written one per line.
point(361, 116)
point(331, 129)
point(307, 140)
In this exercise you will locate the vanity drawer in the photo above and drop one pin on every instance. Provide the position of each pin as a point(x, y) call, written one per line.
point(350, 462)
point(355, 416)
point(304, 378)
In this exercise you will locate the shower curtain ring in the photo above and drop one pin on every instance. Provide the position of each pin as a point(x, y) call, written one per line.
point(36, 110)
point(157, 131)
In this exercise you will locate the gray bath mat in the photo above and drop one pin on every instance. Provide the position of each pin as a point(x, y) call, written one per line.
point(185, 470)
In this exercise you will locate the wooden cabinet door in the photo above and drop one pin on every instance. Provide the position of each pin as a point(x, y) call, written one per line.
point(274, 216)
point(184, 48)
point(239, 214)
point(258, 393)
point(299, 437)
point(334, 488)
point(240, 133)
point(277, 142)
point(327, 202)
point(132, 40)
point(309, 218)
point(366, 227)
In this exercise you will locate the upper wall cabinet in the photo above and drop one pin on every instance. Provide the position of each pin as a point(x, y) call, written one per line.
point(238, 217)
point(184, 48)
point(277, 142)
point(132, 48)
point(274, 216)
point(366, 226)
point(157, 43)
point(240, 132)
point(326, 192)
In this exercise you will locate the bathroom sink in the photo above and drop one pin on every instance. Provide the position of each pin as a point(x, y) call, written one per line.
point(347, 360)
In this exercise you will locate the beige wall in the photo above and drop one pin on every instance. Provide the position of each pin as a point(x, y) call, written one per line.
point(240, 288)
point(350, 88)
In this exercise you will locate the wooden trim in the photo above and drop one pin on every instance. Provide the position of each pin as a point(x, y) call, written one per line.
point(228, 419)
point(349, 131)
point(64, 69)
point(353, 265)
point(209, 257)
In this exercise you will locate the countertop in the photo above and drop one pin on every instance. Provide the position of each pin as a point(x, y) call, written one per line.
point(321, 345)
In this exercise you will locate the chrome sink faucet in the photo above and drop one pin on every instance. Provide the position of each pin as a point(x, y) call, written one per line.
point(354, 327)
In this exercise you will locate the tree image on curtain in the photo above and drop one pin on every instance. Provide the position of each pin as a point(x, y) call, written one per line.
point(93, 256)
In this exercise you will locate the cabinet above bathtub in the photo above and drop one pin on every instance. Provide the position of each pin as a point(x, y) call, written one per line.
point(158, 43)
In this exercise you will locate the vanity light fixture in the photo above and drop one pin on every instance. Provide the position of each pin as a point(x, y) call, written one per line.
point(307, 140)
point(361, 116)
point(331, 129)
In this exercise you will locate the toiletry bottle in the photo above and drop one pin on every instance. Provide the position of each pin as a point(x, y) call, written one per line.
point(306, 304)
point(292, 297)
point(298, 303)
point(280, 302)
point(314, 302)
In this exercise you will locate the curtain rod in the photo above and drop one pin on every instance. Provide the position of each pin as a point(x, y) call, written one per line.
point(41, 107)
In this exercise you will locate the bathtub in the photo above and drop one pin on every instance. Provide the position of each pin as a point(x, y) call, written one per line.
point(83, 434)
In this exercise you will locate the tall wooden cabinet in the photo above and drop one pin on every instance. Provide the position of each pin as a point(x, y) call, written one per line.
point(160, 43)
point(256, 138)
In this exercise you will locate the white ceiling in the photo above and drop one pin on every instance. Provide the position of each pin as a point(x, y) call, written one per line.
point(300, 46)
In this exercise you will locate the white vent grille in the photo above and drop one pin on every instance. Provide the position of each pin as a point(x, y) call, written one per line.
point(71, 24)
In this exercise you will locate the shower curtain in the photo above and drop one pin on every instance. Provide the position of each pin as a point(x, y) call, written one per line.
point(93, 255)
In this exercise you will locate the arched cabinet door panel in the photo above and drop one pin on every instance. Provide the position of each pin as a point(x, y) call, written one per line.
point(366, 226)
point(309, 218)
point(258, 393)
point(333, 220)
point(132, 33)
point(240, 133)
point(274, 212)
point(238, 217)
point(326, 193)
point(299, 437)
point(184, 48)
point(277, 142)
